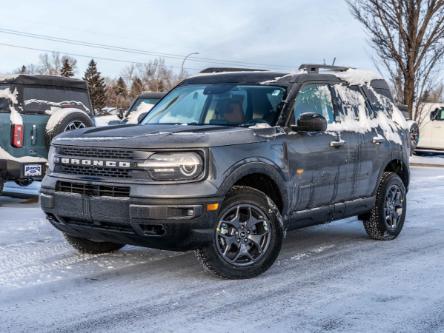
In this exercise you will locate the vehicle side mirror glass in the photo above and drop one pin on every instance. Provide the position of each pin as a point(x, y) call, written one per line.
point(311, 122)
point(433, 115)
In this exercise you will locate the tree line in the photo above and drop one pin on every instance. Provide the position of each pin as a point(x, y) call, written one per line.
point(118, 92)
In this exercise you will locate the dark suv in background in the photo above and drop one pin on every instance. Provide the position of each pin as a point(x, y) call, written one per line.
point(227, 162)
point(34, 109)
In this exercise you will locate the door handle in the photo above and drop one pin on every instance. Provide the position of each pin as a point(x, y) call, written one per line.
point(337, 144)
point(378, 139)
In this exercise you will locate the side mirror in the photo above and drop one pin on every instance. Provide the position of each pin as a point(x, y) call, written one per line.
point(141, 116)
point(121, 113)
point(311, 122)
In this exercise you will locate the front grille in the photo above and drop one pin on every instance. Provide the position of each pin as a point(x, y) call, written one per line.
point(95, 152)
point(93, 190)
point(93, 171)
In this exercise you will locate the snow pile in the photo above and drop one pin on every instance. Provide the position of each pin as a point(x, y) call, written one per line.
point(357, 76)
point(15, 116)
point(105, 120)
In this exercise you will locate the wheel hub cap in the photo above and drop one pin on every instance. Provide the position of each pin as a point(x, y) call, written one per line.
point(243, 235)
point(393, 208)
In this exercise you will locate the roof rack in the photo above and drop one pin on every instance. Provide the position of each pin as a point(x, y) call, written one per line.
point(230, 69)
point(314, 68)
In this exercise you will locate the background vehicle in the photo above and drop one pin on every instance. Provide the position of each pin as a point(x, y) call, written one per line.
point(432, 128)
point(413, 128)
point(226, 162)
point(138, 109)
point(33, 110)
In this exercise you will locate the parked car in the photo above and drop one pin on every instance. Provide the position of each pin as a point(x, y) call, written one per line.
point(33, 110)
point(413, 128)
point(138, 109)
point(226, 163)
point(432, 128)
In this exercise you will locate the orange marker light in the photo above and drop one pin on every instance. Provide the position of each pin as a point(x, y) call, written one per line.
point(299, 171)
point(211, 207)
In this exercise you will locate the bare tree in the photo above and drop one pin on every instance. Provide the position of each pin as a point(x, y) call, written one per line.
point(49, 64)
point(408, 37)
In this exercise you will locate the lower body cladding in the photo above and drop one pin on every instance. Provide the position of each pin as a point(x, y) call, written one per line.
point(104, 213)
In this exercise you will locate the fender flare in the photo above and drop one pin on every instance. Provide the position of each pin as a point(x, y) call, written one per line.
point(262, 166)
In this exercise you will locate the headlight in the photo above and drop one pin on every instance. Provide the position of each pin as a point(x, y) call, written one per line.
point(174, 166)
point(51, 155)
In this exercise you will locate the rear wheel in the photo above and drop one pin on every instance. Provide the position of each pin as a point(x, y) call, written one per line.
point(71, 120)
point(91, 247)
point(386, 220)
point(247, 236)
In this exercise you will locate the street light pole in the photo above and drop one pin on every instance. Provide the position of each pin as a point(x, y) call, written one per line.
point(185, 59)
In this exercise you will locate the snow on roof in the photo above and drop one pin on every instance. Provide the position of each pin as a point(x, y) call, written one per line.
point(6, 77)
point(357, 76)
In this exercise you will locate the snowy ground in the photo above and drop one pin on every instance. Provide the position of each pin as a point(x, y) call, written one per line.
point(327, 278)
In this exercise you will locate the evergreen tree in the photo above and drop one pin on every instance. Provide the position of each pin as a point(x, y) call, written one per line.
point(121, 88)
point(136, 87)
point(96, 85)
point(67, 68)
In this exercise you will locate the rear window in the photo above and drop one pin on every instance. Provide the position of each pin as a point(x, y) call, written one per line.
point(41, 99)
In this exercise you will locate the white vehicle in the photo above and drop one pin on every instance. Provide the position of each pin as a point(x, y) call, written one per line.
point(432, 128)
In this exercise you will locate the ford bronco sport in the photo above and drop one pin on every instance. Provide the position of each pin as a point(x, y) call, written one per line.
point(34, 109)
point(227, 162)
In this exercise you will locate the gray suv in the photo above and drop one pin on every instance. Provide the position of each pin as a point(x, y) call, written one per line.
point(227, 162)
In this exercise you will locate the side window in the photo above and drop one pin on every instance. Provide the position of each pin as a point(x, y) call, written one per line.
point(314, 98)
point(352, 103)
point(438, 114)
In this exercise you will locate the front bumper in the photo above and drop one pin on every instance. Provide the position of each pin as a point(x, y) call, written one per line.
point(13, 170)
point(163, 223)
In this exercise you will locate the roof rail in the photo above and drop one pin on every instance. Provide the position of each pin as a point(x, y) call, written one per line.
point(314, 68)
point(230, 69)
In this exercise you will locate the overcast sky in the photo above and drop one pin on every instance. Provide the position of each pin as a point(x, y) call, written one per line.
point(279, 33)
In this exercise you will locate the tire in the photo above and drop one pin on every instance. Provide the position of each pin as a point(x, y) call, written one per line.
point(91, 247)
point(414, 137)
point(378, 223)
point(258, 241)
point(70, 119)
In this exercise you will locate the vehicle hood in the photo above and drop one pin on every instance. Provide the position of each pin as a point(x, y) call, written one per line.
point(164, 136)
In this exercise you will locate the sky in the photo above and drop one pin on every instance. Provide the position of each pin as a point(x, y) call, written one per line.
point(280, 34)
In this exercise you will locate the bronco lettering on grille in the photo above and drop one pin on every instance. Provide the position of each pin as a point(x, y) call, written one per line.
point(91, 162)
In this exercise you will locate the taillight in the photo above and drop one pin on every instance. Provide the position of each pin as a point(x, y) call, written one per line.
point(17, 136)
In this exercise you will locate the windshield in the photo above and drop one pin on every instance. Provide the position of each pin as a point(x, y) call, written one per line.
point(218, 104)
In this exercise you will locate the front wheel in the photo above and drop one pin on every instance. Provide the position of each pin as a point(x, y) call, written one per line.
point(386, 219)
point(87, 246)
point(247, 236)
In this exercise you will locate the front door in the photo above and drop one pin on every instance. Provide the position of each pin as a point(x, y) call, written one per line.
point(317, 159)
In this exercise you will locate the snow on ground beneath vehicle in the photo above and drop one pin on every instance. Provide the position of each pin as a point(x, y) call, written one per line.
point(437, 159)
point(15, 116)
point(327, 278)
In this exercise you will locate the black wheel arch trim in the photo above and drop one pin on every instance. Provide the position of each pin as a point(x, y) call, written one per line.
point(262, 166)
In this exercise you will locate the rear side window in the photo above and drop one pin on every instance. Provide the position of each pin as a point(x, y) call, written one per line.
point(41, 99)
point(314, 98)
